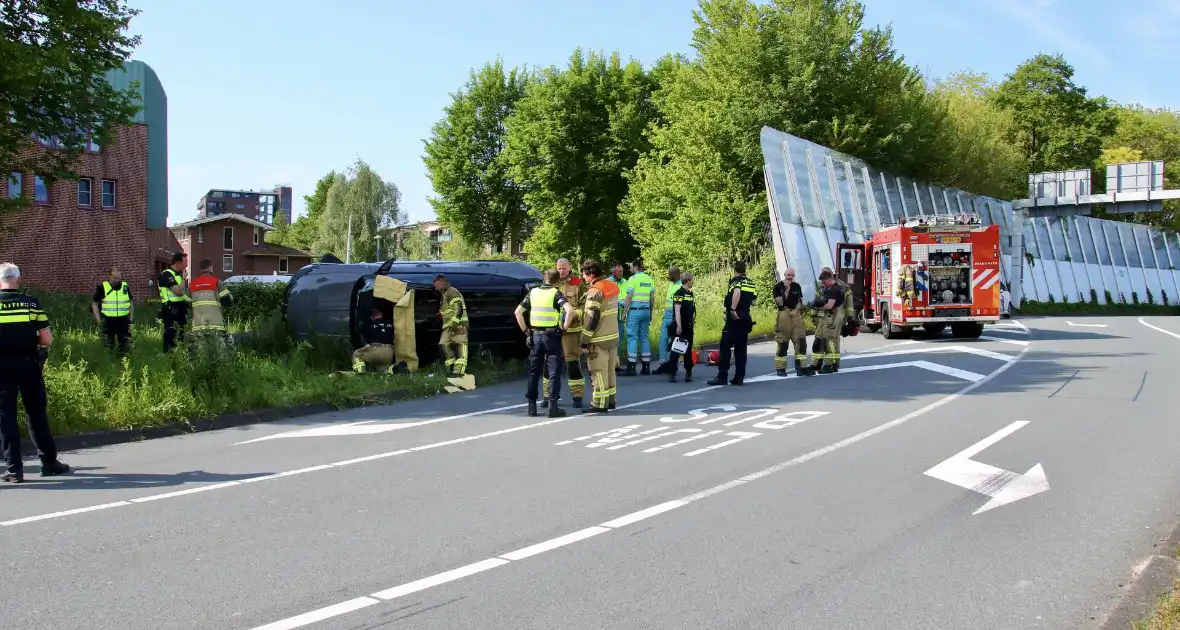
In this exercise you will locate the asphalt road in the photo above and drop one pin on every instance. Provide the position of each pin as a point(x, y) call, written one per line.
point(853, 500)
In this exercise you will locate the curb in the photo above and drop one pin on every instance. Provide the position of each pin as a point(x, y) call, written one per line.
point(1156, 577)
point(97, 439)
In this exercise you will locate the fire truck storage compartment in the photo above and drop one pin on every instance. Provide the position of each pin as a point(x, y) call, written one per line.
point(949, 267)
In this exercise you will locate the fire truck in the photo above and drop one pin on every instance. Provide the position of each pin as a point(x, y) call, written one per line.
point(930, 272)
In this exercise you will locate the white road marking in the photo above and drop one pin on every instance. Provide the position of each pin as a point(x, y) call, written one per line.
point(1015, 330)
point(999, 356)
point(1015, 342)
point(684, 441)
point(316, 616)
point(925, 365)
point(83, 510)
point(741, 436)
point(365, 427)
point(634, 517)
point(181, 493)
point(657, 436)
point(560, 541)
point(594, 435)
point(1000, 485)
point(1085, 325)
point(1166, 332)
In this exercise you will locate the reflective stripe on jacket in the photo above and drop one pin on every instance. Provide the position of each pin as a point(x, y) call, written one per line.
point(604, 298)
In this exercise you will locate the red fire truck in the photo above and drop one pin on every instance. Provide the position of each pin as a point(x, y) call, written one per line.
point(929, 272)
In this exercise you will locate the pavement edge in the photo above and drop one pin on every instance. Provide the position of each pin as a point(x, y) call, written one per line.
point(1147, 585)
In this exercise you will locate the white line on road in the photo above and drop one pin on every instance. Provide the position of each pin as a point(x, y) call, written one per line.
point(999, 356)
point(634, 517)
point(1085, 325)
point(1015, 342)
point(1166, 332)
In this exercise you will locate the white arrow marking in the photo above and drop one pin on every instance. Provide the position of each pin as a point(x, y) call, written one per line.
point(356, 428)
point(1085, 325)
point(925, 365)
point(1002, 486)
point(1015, 342)
point(999, 356)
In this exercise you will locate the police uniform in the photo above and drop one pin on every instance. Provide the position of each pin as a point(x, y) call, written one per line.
point(543, 308)
point(21, 363)
point(826, 349)
point(684, 298)
point(114, 303)
point(600, 337)
point(571, 348)
point(454, 330)
point(789, 329)
point(173, 308)
point(735, 334)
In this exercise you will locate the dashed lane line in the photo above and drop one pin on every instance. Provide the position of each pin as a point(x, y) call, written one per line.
point(416, 586)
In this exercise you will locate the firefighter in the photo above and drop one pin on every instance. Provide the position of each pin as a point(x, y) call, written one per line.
point(600, 335)
point(378, 350)
point(543, 330)
point(453, 313)
point(637, 317)
point(111, 306)
point(208, 297)
point(174, 304)
point(788, 328)
point(25, 338)
point(735, 333)
point(830, 303)
point(571, 345)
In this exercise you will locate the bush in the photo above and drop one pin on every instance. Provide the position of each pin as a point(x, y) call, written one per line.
point(709, 290)
point(1031, 307)
point(254, 301)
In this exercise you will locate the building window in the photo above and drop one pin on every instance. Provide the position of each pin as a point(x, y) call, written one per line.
point(92, 146)
point(200, 234)
point(85, 186)
point(256, 236)
point(282, 264)
point(227, 238)
point(218, 193)
point(16, 185)
point(227, 262)
point(108, 193)
point(40, 190)
point(239, 206)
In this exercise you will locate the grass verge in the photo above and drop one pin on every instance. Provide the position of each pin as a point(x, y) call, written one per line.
point(1166, 615)
point(93, 390)
point(1030, 307)
point(709, 290)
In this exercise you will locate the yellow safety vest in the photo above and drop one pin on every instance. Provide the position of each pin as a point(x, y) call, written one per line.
point(640, 287)
point(115, 302)
point(543, 307)
point(166, 294)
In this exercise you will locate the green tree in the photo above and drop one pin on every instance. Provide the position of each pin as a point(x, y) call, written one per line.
point(465, 158)
point(370, 202)
point(282, 232)
point(1055, 124)
point(1147, 134)
point(52, 83)
point(981, 159)
point(807, 67)
point(413, 245)
point(573, 137)
point(306, 229)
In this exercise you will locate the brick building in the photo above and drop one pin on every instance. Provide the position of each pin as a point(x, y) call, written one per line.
point(237, 246)
point(114, 213)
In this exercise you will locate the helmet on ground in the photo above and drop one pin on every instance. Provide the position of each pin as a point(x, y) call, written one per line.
point(714, 357)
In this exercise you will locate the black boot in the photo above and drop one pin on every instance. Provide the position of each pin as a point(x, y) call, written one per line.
point(611, 404)
point(671, 377)
point(533, 408)
point(688, 376)
point(577, 403)
point(556, 412)
point(53, 468)
point(594, 409)
point(630, 370)
point(780, 372)
point(835, 365)
point(646, 368)
point(720, 379)
point(13, 477)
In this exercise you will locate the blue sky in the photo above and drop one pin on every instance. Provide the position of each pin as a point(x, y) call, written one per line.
point(263, 92)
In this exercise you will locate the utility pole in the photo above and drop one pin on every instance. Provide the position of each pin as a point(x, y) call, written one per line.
point(348, 243)
point(378, 247)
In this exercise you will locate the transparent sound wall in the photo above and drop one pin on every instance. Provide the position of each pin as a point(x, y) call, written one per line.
point(819, 197)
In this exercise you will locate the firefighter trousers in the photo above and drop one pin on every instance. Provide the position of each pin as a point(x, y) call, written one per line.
point(374, 355)
point(826, 349)
point(601, 359)
point(571, 350)
point(788, 331)
point(454, 349)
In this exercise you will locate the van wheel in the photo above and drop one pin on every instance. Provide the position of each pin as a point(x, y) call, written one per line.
point(967, 330)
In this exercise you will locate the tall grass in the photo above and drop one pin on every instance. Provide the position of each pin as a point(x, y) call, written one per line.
point(709, 289)
point(93, 389)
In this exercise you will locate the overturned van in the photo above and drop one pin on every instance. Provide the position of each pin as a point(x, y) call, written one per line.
point(334, 299)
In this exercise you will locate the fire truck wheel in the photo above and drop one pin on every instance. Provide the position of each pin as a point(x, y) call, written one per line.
point(969, 330)
point(934, 329)
point(887, 329)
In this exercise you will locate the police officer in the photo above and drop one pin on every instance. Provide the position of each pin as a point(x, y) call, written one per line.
point(111, 306)
point(25, 338)
point(735, 333)
point(826, 349)
point(453, 312)
point(664, 350)
point(684, 310)
point(173, 302)
point(543, 330)
point(788, 328)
